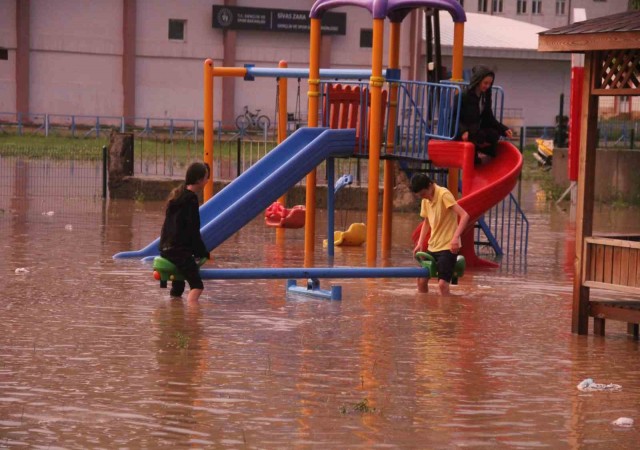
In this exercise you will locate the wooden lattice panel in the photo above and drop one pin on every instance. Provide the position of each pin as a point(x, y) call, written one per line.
point(617, 72)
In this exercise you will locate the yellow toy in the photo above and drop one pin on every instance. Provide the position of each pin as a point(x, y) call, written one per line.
point(355, 235)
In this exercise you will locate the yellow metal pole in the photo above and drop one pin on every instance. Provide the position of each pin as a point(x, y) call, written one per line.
point(375, 87)
point(282, 131)
point(456, 75)
point(458, 50)
point(387, 199)
point(208, 125)
point(312, 121)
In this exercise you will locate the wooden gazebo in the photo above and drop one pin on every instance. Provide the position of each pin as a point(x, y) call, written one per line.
point(611, 46)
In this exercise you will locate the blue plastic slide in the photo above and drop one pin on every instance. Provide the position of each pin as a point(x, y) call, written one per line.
point(266, 181)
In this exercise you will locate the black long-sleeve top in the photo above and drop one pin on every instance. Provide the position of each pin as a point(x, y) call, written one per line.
point(475, 110)
point(180, 236)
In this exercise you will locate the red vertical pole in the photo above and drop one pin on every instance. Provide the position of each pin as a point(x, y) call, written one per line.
point(575, 110)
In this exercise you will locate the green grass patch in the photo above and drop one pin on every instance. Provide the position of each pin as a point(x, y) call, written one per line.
point(67, 147)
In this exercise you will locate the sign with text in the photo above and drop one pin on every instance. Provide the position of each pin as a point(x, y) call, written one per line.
point(267, 19)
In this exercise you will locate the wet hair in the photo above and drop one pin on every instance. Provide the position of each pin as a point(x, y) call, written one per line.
point(420, 181)
point(195, 172)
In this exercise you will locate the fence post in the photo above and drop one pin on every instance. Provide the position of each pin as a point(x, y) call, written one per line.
point(46, 125)
point(104, 171)
point(632, 138)
point(73, 126)
point(195, 131)
point(522, 153)
point(238, 158)
point(19, 124)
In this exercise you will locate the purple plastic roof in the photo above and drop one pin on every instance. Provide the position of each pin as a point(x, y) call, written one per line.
point(395, 10)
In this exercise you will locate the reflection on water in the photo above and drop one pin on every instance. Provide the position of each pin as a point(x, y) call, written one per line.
point(94, 354)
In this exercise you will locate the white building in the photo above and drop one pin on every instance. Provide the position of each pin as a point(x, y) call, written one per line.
point(532, 81)
point(544, 13)
point(144, 58)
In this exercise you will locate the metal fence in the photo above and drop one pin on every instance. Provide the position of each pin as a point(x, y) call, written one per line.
point(90, 126)
point(46, 183)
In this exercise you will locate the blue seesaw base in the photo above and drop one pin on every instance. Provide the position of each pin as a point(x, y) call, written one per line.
point(312, 289)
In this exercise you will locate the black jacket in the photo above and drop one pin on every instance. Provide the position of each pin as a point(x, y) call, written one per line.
point(472, 117)
point(180, 236)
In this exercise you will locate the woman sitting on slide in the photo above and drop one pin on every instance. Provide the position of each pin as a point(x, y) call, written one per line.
point(477, 123)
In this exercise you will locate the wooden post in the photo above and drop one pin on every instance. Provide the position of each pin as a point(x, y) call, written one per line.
point(584, 209)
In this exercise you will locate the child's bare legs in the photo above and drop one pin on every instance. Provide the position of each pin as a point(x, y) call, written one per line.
point(423, 285)
point(444, 287)
point(194, 295)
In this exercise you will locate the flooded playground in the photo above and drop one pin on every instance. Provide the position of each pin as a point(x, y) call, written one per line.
point(94, 354)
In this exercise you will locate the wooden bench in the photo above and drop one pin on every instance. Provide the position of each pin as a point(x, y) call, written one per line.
point(613, 264)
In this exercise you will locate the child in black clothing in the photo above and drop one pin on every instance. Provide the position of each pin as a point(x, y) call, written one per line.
point(180, 239)
point(477, 123)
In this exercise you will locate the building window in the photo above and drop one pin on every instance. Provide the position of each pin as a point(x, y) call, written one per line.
point(536, 6)
point(177, 29)
point(366, 37)
point(496, 6)
point(482, 5)
point(4, 53)
point(522, 6)
point(560, 7)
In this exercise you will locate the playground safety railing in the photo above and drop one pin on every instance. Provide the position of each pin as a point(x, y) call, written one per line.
point(424, 111)
point(505, 228)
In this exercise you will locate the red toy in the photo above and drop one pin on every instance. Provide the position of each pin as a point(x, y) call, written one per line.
point(276, 215)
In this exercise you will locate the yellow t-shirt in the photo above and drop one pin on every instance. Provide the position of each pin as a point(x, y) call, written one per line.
point(442, 219)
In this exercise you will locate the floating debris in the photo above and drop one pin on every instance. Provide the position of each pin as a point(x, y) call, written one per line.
point(588, 385)
point(623, 422)
point(21, 270)
point(48, 213)
point(68, 227)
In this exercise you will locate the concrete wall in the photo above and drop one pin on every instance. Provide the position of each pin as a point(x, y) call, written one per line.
point(616, 174)
point(76, 57)
point(8, 40)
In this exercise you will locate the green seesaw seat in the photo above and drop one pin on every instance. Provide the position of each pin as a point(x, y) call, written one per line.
point(164, 270)
point(428, 262)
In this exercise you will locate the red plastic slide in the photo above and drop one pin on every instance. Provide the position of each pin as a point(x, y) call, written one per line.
point(483, 186)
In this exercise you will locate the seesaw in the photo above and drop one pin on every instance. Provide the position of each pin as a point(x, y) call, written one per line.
point(165, 271)
point(428, 262)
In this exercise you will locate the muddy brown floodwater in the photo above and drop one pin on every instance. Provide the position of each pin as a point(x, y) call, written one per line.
point(93, 354)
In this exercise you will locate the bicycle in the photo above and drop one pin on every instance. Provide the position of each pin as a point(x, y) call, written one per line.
point(252, 120)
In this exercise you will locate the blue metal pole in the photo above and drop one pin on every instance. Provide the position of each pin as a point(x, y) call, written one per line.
point(343, 74)
point(313, 272)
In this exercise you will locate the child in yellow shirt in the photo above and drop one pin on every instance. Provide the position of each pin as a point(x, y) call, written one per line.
point(441, 213)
